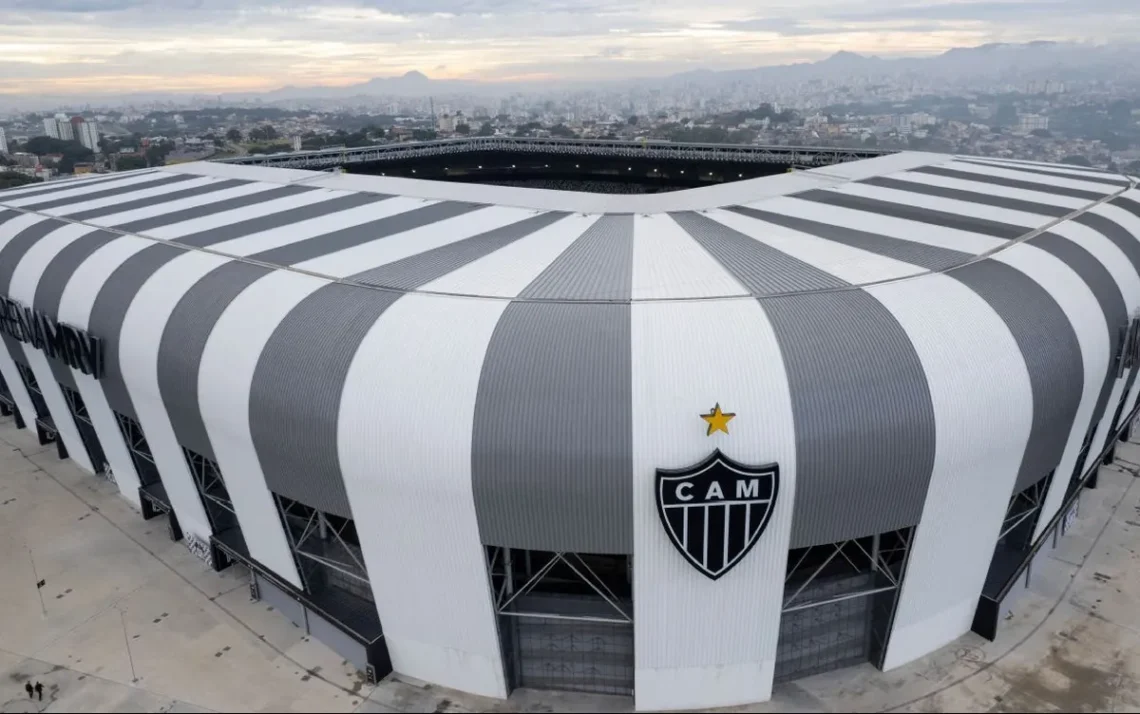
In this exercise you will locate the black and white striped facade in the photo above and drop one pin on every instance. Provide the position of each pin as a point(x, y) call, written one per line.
point(912, 338)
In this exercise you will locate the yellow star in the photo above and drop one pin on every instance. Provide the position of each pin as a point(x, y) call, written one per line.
point(718, 420)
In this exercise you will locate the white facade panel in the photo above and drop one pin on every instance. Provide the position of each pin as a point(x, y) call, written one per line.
point(75, 182)
point(1087, 319)
point(668, 263)
point(79, 191)
point(698, 642)
point(421, 539)
point(143, 328)
point(25, 280)
point(224, 380)
point(75, 309)
point(142, 192)
point(991, 189)
point(180, 204)
point(983, 412)
point(854, 265)
point(237, 215)
point(1014, 174)
point(1030, 221)
point(9, 230)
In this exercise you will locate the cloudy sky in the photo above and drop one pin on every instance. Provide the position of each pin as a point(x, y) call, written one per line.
point(116, 46)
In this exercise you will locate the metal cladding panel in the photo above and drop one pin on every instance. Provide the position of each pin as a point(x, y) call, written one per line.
point(302, 250)
point(1116, 315)
point(83, 197)
point(1017, 181)
point(975, 197)
point(864, 423)
point(1083, 314)
point(184, 340)
point(551, 450)
point(296, 391)
point(260, 218)
point(913, 210)
point(1064, 181)
point(1051, 352)
point(668, 263)
point(983, 411)
point(989, 189)
point(23, 287)
point(55, 279)
point(1111, 222)
point(43, 189)
point(140, 342)
point(7, 215)
point(247, 194)
point(597, 266)
point(760, 268)
point(156, 198)
point(919, 254)
point(79, 191)
point(228, 363)
point(411, 272)
point(1018, 163)
point(106, 321)
point(409, 468)
point(698, 642)
point(1108, 179)
point(78, 210)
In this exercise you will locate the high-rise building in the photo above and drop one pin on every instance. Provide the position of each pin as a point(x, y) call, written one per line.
point(1030, 122)
point(88, 134)
point(3, 142)
point(65, 128)
point(51, 127)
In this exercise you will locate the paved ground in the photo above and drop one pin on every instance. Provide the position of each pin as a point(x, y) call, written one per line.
point(128, 621)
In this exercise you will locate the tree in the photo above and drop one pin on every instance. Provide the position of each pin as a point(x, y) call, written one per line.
point(233, 136)
point(423, 134)
point(463, 129)
point(486, 129)
point(11, 179)
point(632, 120)
point(129, 162)
point(1076, 160)
point(561, 130)
point(263, 133)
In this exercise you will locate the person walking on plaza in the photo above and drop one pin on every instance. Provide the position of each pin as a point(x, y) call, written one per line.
point(40, 690)
point(28, 689)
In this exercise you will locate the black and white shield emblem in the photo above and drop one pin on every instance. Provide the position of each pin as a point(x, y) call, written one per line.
point(715, 511)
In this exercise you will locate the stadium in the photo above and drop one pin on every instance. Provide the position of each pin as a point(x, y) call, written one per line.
point(680, 444)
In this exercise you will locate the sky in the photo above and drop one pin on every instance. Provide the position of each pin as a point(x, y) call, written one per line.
point(214, 46)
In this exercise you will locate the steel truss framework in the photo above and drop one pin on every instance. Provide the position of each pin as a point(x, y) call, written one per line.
point(327, 545)
point(839, 601)
point(45, 425)
point(511, 587)
point(140, 451)
point(212, 488)
point(86, 427)
point(799, 156)
point(1021, 514)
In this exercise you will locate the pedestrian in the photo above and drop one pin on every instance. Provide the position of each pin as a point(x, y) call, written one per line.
point(40, 690)
point(28, 689)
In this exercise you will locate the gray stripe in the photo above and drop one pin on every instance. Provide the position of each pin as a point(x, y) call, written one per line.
point(1013, 163)
point(552, 443)
point(209, 209)
point(155, 200)
point(294, 400)
point(762, 269)
point(10, 257)
point(110, 309)
point(7, 215)
point(220, 234)
point(1108, 295)
point(986, 199)
point(1010, 183)
point(58, 186)
point(1118, 181)
point(927, 256)
point(327, 243)
point(1051, 352)
point(1120, 236)
point(54, 280)
point(945, 219)
point(184, 341)
point(416, 270)
point(598, 265)
point(107, 193)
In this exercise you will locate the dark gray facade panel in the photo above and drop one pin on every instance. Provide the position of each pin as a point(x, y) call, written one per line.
point(1051, 352)
point(930, 257)
point(108, 192)
point(759, 267)
point(209, 209)
point(309, 248)
point(1104, 178)
point(155, 200)
point(930, 216)
point(110, 309)
point(295, 395)
point(598, 265)
point(1120, 236)
point(552, 443)
point(957, 194)
point(58, 186)
point(864, 421)
point(1038, 164)
point(54, 280)
point(10, 257)
point(1010, 183)
point(416, 270)
point(221, 234)
point(7, 214)
point(184, 342)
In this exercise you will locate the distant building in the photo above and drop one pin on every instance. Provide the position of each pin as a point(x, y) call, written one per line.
point(51, 127)
point(446, 123)
point(3, 142)
point(1030, 122)
point(83, 168)
point(296, 143)
point(88, 134)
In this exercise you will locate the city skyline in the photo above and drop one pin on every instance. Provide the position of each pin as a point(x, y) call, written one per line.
point(66, 47)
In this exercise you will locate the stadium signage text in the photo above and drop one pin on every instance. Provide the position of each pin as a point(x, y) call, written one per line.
point(716, 510)
point(68, 344)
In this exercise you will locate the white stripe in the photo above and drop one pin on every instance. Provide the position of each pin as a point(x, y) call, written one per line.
point(1034, 178)
point(667, 263)
point(1025, 220)
point(41, 188)
point(983, 411)
point(163, 209)
point(991, 189)
point(138, 180)
point(689, 653)
point(121, 198)
point(11, 374)
point(237, 215)
point(1059, 168)
point(25, 280)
